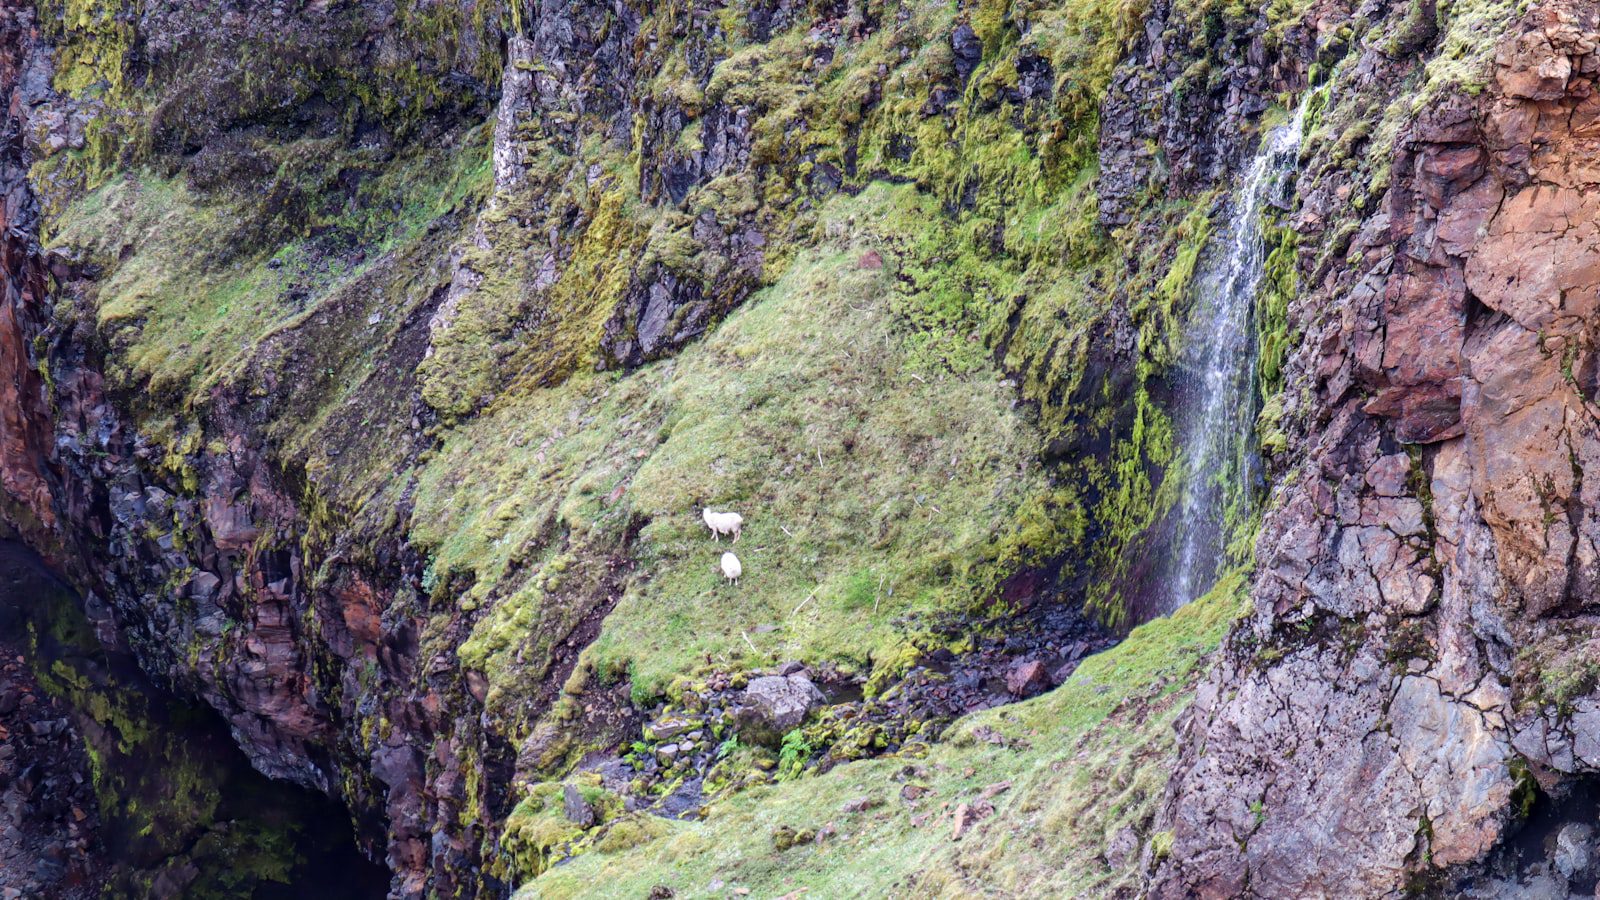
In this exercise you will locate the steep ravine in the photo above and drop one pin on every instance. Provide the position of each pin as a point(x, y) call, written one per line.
point(364, 369)
point(115, 788)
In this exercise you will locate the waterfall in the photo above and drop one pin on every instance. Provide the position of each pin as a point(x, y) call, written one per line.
point(1216, 417)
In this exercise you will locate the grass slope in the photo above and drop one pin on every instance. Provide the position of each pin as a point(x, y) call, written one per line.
point(1084, 762)
point(872, 486)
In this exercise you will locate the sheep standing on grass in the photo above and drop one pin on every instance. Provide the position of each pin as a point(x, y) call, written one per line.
point(731, 569)
point(723, 523)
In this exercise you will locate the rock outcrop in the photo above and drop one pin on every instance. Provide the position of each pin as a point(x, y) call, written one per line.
point(1429, 566)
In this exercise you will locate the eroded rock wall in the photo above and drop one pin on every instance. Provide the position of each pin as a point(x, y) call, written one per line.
point(200, 573)
point(1426, 572)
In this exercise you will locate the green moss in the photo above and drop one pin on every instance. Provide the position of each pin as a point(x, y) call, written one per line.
point(193, 282)
point(538, 832)
point(520, 328)
point(1278, 286)
point(867, 486)
point(1526, 792)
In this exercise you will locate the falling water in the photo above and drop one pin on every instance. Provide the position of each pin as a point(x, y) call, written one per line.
point(1217, 416)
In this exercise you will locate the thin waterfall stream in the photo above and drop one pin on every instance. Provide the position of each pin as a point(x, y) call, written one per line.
point(1216, 419)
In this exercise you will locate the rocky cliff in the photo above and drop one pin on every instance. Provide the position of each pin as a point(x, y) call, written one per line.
point(1415, 665)
point(367, 367)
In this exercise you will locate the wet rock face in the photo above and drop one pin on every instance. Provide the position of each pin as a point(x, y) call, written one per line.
point(112, 787)
point(1161, 121)
point(48, 839)
point(1431, 565)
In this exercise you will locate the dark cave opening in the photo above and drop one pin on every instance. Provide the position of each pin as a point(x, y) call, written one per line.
point(116, 787)
point(1553, 852)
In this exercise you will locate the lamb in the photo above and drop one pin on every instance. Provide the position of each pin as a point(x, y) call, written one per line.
point(723, 523)
point(731, 568)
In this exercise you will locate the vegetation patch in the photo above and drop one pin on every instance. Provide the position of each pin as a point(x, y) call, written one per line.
point(871, 487)
point(1064, 773)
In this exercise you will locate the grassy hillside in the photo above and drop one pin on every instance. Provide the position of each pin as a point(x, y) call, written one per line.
point(1082, 763)
point(872, 485)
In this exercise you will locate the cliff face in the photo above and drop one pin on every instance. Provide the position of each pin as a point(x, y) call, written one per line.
point(1415, 657)
point(371, 364)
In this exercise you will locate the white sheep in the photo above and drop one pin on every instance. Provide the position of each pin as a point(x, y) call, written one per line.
point(731, 568)
point(723, 523)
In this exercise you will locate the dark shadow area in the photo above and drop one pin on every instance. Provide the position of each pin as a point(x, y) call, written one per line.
point(1554, 853)
point(174, 807)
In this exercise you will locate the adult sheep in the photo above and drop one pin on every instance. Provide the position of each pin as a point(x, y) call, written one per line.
point(722, 523)
point(731, 567)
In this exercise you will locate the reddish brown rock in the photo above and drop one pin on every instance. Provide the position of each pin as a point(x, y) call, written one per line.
point(1027, 678)
point(1439, 578)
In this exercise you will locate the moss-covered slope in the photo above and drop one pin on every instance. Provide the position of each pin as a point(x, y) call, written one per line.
point(395, 352)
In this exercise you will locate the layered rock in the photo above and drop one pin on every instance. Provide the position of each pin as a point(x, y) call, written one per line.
point(1375, 717)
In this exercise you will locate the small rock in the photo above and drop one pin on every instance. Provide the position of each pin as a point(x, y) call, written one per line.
point(912, 792)
point(785, 836)
point(791, 667)
point(1573, 853)
point(968, 50)
point(968, 815)
point(861, 804)
point(1123, 847)
point(995, 790)
point(668, 727)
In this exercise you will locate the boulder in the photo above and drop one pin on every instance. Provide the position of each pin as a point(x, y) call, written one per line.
point(1027, 678)
point(774, 704)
